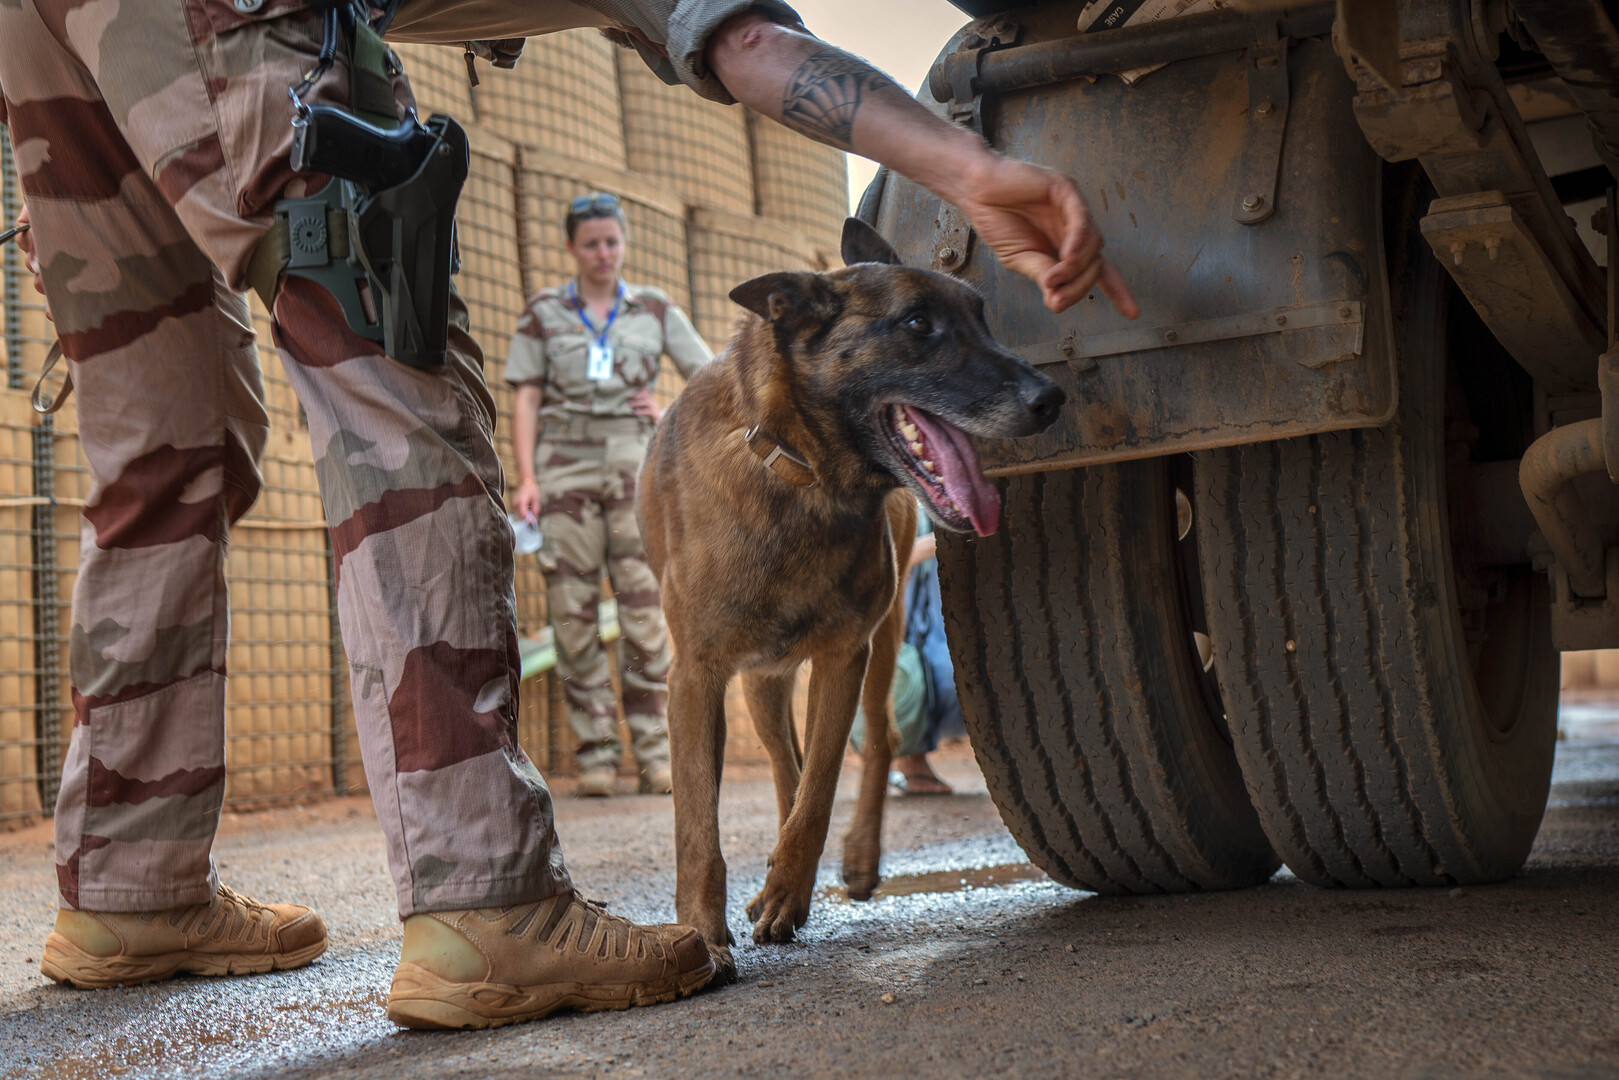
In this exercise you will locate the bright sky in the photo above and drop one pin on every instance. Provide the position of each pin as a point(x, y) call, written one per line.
point(900, 36)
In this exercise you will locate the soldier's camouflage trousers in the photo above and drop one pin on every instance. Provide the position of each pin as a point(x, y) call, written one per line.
point(152, 140)
point(586, 471)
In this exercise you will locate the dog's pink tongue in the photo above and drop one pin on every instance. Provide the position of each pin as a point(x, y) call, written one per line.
point(957, 465)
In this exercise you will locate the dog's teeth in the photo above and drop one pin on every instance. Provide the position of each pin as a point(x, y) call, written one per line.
point(916, 447)
point(928, 465)
point(909, 431)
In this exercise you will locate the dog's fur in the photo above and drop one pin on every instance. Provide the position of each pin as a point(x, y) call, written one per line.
point(759, 574)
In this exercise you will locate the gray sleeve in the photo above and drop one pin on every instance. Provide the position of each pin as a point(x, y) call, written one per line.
point(681, 28)
point(695, 21)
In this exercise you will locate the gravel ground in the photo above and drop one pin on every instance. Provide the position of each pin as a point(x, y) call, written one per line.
point(969, 962)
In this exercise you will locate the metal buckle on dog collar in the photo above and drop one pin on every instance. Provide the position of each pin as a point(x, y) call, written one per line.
point(778, 459)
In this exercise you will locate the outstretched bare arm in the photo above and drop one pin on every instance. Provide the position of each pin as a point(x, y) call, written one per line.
point(1032, 218)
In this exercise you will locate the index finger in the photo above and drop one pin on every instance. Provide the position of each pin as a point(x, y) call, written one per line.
point(1112, 285)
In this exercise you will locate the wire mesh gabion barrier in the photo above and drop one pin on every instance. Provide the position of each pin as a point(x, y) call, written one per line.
point(697, 147)
point(799, 183)
point(552, 130)
point(438, 79)
point(562, 95)
point(727, 249)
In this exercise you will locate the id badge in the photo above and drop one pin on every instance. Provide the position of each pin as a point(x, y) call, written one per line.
point(600, 366)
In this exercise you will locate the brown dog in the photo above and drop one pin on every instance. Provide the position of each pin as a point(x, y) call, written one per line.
point(777, 508)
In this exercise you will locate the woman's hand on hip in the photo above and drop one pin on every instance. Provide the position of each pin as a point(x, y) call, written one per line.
point(642, 404)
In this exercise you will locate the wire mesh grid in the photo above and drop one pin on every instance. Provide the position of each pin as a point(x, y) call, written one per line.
point(438, 79)
point(799, 182)
point(491, 284)
point(727, 249)
point(561, 96)
point(699, 147)
point(655, 253)
point(22, 744)
point(30, 713)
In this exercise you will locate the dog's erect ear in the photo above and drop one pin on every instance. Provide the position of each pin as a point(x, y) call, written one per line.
point(776, 296)
point(861, 243)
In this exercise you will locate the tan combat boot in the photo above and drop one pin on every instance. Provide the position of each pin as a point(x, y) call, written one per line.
point(230, 935)
point(494, 966)
point(597, 783)
point(656, 779)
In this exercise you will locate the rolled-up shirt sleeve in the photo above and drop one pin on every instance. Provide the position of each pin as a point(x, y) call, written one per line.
point(693, 22)
point(525, 360)
point(682, 342)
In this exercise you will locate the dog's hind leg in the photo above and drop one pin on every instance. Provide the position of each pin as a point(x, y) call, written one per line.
point(834, 690)
point(697, 744)
point(770, 704)
point(862, 845)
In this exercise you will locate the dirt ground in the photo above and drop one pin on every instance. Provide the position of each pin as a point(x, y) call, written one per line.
point(993, 970)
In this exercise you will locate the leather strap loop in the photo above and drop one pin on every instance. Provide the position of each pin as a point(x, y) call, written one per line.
point(780, 460)
point(40, 404)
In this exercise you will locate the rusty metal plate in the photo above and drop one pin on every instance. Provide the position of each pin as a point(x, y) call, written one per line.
point(1159, 163)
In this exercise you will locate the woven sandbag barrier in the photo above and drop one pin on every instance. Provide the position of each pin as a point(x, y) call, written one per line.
point(563, 95)
point(800, 183)
point(697, 147)
point(438, 79)
point(727, 249)
point(31, 728)
point(22, 722)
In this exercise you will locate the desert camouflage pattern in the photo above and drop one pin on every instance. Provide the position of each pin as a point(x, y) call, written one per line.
point(551, 349)
point(586, 463)
point(151, 139)
point(587, 517)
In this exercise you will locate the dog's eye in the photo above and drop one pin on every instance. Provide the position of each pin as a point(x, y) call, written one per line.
point(919, 324)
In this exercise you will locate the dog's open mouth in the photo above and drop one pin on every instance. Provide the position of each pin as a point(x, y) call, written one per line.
point(941, 458)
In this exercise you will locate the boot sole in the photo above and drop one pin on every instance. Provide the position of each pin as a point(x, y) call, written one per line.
point(64, 962)
point(436, 1004)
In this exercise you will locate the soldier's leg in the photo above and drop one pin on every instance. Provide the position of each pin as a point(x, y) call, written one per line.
point(646, 640)
point(409, 475)
point(171, 422)
point(570, 476)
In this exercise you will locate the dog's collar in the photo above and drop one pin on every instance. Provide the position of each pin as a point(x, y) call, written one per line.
point(778, 459)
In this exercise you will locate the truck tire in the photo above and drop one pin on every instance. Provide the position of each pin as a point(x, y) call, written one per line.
point(1079, 682)
point(1388, 736)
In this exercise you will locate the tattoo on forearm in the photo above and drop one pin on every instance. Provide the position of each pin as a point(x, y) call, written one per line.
point(824, 94)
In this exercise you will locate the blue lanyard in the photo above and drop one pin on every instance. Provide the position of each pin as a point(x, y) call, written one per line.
point(584, 315)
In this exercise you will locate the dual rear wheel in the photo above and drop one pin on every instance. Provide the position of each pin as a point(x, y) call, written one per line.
point(1381, 711)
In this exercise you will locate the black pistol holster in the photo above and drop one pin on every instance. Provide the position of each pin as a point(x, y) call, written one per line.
point(380, 237)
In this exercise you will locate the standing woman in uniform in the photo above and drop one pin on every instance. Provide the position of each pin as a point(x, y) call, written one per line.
point(584, 359)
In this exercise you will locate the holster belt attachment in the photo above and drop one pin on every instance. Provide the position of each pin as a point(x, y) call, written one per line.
point(386, 257)
point(380, 237)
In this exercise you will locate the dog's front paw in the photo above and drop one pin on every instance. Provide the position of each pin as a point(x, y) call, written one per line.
point(724, 966)
point(776, 913)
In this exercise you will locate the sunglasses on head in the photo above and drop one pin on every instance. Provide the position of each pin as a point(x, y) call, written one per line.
point(586, 203)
